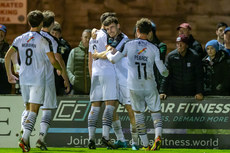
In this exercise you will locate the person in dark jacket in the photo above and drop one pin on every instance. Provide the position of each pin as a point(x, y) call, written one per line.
point(64, 49)
point(163, 50)
point(5, 86)
point(64, 46)
point(216, 67)
point(185, 72)
point(185, 29)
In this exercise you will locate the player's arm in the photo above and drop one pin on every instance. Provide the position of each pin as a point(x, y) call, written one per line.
point(101, 55)
point(90, 61)
point(160, 65)
point(14, 59)
point(114, 56)
point(53, 61)
point(64, 73)
point(70, 67)
point(9, 54)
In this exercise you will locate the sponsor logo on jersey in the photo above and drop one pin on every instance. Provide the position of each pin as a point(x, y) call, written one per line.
point(31, 38)
point(141, 51)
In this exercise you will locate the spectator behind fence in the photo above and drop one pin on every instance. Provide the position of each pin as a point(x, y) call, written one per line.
point(216, 67)
point(162, 48)
point(64, 46)
point(220, 34)
point(77, 65)
point(185, 72)
point(227, 40)
point(5, 86)
point(64, 50)
point(185, 29)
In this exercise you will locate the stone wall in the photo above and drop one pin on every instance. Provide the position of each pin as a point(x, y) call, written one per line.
point(76, 15)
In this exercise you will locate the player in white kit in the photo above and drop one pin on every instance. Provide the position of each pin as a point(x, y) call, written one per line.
point(103, 88)
point(141, 81)
point(116, 40)
point(50, 101)
point(33, 49)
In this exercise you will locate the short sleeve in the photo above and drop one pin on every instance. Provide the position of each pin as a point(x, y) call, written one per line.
point(16, 43)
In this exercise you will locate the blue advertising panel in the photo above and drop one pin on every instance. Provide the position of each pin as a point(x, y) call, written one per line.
point(187, 123)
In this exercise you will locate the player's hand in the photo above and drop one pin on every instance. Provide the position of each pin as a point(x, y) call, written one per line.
point(199, 96)
point(113, 50)
point(94, 33)
point(67, 86)
point(95, 54)
point(59, 72)
point(16, 68)
point(12, 79)
point(163, 96)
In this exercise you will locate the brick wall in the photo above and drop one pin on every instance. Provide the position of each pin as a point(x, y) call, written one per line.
point(76, 15)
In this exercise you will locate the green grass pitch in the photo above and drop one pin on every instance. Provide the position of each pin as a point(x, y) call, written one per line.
point(101, 150)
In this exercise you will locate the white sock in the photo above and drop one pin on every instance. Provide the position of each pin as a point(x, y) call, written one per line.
point(23, 118)
point(45, 124)
point(157, 122)
point(118, 130)
point(29, 126)
point(134, 134)
point(107, 121)
point(141, 128)
point(92, 121)
point(144, 140)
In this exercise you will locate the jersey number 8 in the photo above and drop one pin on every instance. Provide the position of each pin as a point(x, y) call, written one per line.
point(29, 54)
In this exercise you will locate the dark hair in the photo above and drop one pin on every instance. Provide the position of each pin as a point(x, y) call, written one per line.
point(221, 24)
point(109, 20)
point(48, 18)
point(105, 15)
point(144, 25)
point(56, 27)
point(35, 18)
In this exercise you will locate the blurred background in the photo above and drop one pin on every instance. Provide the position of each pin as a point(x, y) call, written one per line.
point(77, 15)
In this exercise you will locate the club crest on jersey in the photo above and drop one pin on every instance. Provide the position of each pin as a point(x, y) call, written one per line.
point(31, 38)
point(141, 51)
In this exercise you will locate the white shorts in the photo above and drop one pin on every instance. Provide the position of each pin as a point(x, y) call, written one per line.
point(103, 88)
point(140, 98)
point(50, 101)
point(123, 95)
point(33, 94)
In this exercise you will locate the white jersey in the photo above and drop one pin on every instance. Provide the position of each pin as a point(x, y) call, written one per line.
point(121, 67)
point(50, 68)
point(141, 57)
point(32, 48)
point(100, 66)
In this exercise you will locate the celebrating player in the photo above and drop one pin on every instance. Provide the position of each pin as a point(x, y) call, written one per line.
point(33, 50)
point(141, 82)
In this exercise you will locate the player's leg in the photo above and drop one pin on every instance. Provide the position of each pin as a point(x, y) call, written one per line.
point(133, 128)
point(153, 102)
point(138, 106)
point(50, 102)
point(29, 126)
point(107, 119)
point(125, 98)
point(35, 95)
point(109, 95)
point(23, 119)
point(92, 123)
point(96, 101)
point(116, 125)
